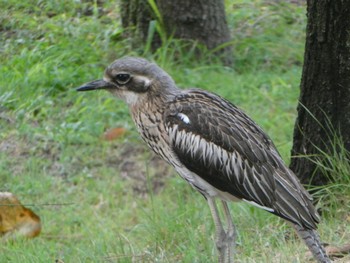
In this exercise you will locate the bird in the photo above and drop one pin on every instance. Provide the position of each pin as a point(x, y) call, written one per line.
point(213, 145)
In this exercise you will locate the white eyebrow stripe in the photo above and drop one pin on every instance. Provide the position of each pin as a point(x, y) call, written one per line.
point(184, 118)
point(146, 80)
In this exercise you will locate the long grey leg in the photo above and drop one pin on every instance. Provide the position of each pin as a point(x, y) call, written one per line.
point(224, 240)
point(230, 233)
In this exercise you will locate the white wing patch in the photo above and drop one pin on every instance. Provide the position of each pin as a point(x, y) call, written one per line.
point(184, 118)
point(260, 206)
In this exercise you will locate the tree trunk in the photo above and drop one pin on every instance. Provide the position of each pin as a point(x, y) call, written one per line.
point(136, 16)
point(325, 87)
point(200, 20)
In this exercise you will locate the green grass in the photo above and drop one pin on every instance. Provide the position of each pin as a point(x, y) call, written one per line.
point(105, 201)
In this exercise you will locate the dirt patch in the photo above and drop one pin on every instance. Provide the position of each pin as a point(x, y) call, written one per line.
point(133, 161)
point(136, 163)
point(21, 149)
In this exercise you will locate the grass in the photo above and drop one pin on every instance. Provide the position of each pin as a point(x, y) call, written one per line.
point(112, 201)
point(335, 164)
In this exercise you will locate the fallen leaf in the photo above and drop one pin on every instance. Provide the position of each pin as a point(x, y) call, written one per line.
point(114, 133)
point(338, 251)
point(15, 219)
point(335, 252)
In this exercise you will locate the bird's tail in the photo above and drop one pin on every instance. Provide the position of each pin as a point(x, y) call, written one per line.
point(313, 242)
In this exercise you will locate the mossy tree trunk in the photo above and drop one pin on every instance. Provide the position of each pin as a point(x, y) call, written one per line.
point(325, 87)
point(202, 21)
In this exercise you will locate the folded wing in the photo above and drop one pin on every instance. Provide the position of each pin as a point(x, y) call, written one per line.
point(215, 140)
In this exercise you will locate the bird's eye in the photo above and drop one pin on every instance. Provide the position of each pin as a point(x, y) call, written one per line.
point(122, 78)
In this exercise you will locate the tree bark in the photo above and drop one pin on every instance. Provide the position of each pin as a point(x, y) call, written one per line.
point(136, 16)
point(199, 20)
point(325, 87)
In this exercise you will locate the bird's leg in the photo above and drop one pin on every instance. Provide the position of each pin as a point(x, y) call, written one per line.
point(230, 233)
point(221, 237)
point(313, 241)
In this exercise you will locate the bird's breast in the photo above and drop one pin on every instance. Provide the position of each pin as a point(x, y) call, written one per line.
point(151, 128)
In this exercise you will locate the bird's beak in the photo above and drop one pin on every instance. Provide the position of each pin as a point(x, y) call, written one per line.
point(96, 84)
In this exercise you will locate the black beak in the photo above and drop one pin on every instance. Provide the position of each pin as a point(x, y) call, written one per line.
point(96, 84)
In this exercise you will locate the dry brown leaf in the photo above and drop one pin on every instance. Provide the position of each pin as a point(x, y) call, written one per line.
point(335, 252)
point(114, 133)
point(15, 219)
point(338, 251)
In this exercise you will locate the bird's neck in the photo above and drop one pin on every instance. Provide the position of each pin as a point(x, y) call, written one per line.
point(148, 115)
point(155, 101)
point(151, 106)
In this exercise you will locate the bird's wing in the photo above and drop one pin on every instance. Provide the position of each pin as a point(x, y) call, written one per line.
point(215, 140)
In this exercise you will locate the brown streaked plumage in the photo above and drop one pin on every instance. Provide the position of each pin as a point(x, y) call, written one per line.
point(214, 146)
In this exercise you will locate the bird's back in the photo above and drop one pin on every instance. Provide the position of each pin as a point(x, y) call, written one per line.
point(216, 141)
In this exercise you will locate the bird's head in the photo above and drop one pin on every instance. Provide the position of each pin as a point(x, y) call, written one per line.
point(133, 80)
